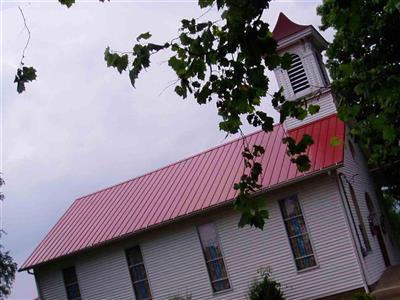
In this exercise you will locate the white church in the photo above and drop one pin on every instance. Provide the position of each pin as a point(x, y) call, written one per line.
point(174, 231)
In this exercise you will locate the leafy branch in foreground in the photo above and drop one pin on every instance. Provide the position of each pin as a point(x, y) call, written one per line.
point(225, 61)
point(24, 74)
point(364, 63)
point(7, 273)
point(7, 265)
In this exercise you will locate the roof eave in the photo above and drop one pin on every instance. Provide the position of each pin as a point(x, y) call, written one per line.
point(184, 217)
point(310, 31)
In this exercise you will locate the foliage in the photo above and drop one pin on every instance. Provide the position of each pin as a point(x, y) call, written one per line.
point(24, 75)
point(7, 265)
point(225, 61)
point(364, 63)
point(363, 296)
point(266, 288)
point(392, 208)
point(7, 273)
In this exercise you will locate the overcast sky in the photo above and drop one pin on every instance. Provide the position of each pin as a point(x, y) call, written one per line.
point(80, 126)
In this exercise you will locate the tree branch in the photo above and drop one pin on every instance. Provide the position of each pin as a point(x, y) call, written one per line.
point(29, 36)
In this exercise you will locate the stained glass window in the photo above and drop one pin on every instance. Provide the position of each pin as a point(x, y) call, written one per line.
point(138, 273)
point(71, 283)
point(297, 233)
point(213, 256)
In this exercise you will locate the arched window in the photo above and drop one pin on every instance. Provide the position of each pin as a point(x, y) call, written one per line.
point(297, 74)
point(361, 225)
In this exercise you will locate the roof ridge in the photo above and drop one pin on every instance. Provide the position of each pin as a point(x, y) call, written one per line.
point(172, 164)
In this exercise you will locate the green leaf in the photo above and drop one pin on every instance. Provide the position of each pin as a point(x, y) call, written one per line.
point(389, 133)
point(231, 125)
point(133, 75)
point(205, 3)
point(301, 114)
point(335, 141)
point(68, 3)
point(303, 163)
point(120, 62)
point(144, 36)
point(359, 89)
point(180, 91)
point(24, 75)
point(286, 61)
point(178, 65)
point(313, 109)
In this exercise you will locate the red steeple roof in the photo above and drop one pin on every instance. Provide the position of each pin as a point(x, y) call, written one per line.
point(285, 27)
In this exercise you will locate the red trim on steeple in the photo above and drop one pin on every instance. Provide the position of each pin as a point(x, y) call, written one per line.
point(285, 27)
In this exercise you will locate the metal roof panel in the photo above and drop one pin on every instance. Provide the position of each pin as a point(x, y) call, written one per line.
point(183, 188)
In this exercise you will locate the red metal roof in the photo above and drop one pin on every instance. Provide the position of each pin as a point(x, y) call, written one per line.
point(285, 27)
point(181, 189)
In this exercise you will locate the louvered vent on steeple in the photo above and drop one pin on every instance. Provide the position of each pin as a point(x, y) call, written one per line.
point(297, 75)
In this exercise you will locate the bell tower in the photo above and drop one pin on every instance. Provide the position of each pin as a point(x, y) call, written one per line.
point(307, 79)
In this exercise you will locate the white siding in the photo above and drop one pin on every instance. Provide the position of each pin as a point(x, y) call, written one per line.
point(321, 93)
point(356, 171)
point(50, 283)
point(175, 264)
point(104, 275)
point(308, 55)
point(327, 107)
point(324, 218)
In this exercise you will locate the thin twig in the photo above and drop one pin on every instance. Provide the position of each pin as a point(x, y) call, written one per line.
point(168, 86)
point(206, 12)
point(29, 36)
point(121, 52)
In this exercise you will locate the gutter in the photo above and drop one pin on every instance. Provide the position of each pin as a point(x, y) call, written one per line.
point(347, 210)
point(32, 272)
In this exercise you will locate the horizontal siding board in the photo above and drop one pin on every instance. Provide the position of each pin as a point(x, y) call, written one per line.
point(327, 108)
point(178, 190)
point(51, 284)
point(175, 264)
point(356, 170)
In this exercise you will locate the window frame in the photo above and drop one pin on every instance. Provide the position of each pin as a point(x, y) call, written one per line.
point(222, 257)
point(360, 218)
point(307, 233)
point(74, 283)
point(130, 268)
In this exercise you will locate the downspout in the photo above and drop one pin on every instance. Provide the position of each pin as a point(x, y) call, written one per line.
point(32, 272)
point(347, 209)
point(341, 176)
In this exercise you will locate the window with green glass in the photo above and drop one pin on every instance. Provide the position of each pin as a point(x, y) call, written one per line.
point(297, 233)
point(213, 257)
point(138, 273)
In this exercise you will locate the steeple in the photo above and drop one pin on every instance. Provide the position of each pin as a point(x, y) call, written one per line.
point(307, 76)
point(285, 27)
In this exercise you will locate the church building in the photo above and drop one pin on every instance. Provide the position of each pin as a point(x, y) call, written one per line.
point(174, 232)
